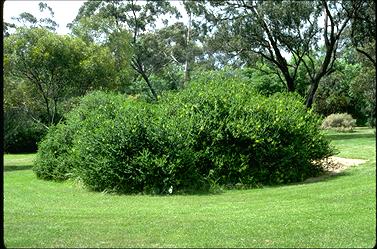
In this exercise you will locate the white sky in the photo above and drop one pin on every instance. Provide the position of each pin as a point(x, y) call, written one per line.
point(65, 11)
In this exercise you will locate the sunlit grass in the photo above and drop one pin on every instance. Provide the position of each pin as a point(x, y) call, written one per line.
point(338, 212)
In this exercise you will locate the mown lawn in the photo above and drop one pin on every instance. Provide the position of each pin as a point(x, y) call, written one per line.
point(337, 212)
point(18, 161)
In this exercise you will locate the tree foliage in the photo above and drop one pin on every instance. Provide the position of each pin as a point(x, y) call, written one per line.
point(142, 48)
point(55, 67)
point(136, 18)
point(272, 30)
point(363, 29)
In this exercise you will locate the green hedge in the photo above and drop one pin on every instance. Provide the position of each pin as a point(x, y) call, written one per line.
point(216, 131)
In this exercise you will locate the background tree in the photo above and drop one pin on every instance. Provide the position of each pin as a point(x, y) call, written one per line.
point(136, 18)
point(27, 20)
point(275, 31)
point(103, 32)
point(55, 67)
point(363, 29)
point(336, 19)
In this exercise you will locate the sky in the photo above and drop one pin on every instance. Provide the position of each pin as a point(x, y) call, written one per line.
point(65, 11)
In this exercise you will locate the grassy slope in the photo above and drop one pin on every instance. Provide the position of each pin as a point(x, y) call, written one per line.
point(338, 212)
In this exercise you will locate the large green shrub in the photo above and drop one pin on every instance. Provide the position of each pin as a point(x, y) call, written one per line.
point(111, 143)
point(242, 137)
point(216, 131)
point(54, 161)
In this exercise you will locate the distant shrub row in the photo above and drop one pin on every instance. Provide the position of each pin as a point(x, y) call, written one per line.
point(214, 132)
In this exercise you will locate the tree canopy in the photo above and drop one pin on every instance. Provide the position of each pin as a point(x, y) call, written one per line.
point(323, 50)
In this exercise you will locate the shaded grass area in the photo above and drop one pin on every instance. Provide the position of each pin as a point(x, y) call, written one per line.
point(14, 162)
point(350, 136)
point(358, 132)
point(338, 212)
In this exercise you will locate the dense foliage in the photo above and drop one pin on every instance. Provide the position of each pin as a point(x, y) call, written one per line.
point(218, 131)
point(43, 72)
point(322, 50)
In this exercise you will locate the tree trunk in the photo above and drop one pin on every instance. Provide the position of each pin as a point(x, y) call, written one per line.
point(290, 82)
point(311, 95)
point(188, 47)
point(145, 77)
point(138, 67)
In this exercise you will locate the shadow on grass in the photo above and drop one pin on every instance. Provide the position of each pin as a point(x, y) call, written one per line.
point(328, 176)
point(349, 136)
point(16, 168)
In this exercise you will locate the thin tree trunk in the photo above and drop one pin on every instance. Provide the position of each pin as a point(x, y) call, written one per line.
point(311, 95)
point(145, 77)
point(188, 50)
point(138, 67)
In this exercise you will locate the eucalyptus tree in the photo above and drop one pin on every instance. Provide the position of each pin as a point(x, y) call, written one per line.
point(336, 15)
point(363, 29)
point(54, 68)
point(177, 45)
point(103, 32)
point(137, 18)
point(25, 19)
point(286, 34)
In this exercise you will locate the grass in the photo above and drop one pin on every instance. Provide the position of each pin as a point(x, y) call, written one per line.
point(338, 212)
point(18, 161)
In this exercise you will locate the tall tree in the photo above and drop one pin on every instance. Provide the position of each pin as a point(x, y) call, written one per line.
point(363, 29)
point(174, 46)
point(28, 20)
point(282, 32)
point(55, 67)
point(336, 19)
point(104, 32)
point(135, 17)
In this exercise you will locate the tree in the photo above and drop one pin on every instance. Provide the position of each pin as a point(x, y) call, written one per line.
point(170, 48)
point(55, 67)
point(277, 30)
point(363, 29)
point(28, 20)
point(334, 95)
point(136, 18)
point(336, 19)
point(103, 31)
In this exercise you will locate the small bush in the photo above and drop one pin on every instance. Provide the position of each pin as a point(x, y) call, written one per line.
point(340, 121)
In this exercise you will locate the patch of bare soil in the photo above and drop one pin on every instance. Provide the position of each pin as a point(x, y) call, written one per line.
point(334, 165)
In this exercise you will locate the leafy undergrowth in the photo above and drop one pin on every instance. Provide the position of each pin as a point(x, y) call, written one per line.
point(337, 212)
